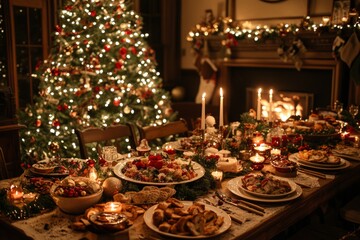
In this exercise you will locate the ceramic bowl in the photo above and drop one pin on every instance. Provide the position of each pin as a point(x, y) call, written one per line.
point(76, 204)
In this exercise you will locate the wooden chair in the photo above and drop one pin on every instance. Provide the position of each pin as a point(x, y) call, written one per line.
point(4, 174)
point(112, 135)
point(351, 211)
point(168, 130)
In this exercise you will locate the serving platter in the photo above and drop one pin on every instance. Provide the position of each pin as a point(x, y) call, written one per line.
point(198, 169)
point(62, 163)
point(148, 219)
point(322, 166)
point(233, 186)
point(264, 195)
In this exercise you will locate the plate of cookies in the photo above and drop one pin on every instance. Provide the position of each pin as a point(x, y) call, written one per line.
point(149, 195)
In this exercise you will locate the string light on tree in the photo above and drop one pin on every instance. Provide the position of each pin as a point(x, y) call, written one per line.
point(103, 71)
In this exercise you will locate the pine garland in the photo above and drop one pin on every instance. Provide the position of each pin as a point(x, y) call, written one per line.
point(42, 203)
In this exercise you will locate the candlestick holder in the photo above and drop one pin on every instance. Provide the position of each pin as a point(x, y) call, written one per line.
point(221, 139)
point(202, 135)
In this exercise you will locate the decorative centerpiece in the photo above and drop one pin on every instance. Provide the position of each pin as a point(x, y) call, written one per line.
point(75, 194)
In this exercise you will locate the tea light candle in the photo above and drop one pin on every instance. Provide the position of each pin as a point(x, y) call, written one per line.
point(217, 175)
point(262, 148)
point(93, 173)
point(16, 192)
point(112, 207)
point(257, 158)
point(275, 151)
point(29, 196)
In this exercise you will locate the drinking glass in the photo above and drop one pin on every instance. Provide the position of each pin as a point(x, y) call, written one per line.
point(354, 110)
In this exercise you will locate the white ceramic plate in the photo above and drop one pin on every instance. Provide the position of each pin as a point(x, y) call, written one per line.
point(352, 157)
point(264, 195)
point(54, 174)
point(343, 164)
point(233, 186)
point(199, 170)
point(347, 152)
point(148, 216)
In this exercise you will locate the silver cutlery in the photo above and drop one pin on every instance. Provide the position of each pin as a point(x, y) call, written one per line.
point(250, 207)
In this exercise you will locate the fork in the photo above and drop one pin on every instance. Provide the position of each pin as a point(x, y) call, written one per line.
point(250, 207)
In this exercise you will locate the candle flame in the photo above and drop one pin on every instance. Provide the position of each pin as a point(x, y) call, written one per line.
point(204, 95)
point(270, 91)
point(221, 92)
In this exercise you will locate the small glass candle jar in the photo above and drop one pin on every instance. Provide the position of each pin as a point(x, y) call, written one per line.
point(112, 207)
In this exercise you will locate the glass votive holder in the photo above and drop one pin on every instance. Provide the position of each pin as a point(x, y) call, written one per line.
point(112, 207)
point(109, 153)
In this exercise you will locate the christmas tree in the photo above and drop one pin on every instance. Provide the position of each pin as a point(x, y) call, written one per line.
point(100, 72)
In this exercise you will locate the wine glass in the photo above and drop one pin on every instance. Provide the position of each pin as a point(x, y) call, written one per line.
point(354, 110)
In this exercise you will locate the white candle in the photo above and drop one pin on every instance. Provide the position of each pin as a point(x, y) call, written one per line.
point(270, 105)
point(217, 175)
point(257, 158)
point(258, 111)
point(203, 111)
point(221, 118)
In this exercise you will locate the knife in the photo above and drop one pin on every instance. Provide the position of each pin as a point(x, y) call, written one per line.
point(227, 200)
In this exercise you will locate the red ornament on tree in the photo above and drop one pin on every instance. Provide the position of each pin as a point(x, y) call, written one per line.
point(38, 123)
point(93, 13)
point(68, 8)
point(96, 89)
point(107, 47)
point(133, 50)
point(56, 123)
point(55, 72)
point(118, 65)
point(116, 102)
point(128, 32)
point(58, 29)
point(123, 52)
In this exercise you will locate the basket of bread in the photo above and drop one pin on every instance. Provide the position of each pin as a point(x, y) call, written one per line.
point(185, 218)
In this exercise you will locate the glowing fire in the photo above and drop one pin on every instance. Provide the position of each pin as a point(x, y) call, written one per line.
point(282, 109)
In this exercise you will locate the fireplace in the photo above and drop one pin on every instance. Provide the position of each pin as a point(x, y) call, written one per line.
point(283, 105)
point(318, 81)
point(316, 84)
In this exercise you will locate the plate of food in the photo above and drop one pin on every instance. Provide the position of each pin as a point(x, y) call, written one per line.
point(233, 186)
point(347, 152)
point(49, 167)
point(186, 219)
point(266, 186)
point(331, 162)
point(155, 170)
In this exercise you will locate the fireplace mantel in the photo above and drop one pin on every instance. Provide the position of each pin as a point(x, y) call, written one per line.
point(256, 59)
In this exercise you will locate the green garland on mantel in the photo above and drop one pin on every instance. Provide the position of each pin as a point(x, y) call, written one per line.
point(231, 32)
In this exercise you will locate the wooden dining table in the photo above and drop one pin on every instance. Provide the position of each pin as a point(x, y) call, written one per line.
point(277, 217)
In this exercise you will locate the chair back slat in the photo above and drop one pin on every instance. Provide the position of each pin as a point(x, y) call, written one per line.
point(4, 174)
point(104, 136)
point(172, 128)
